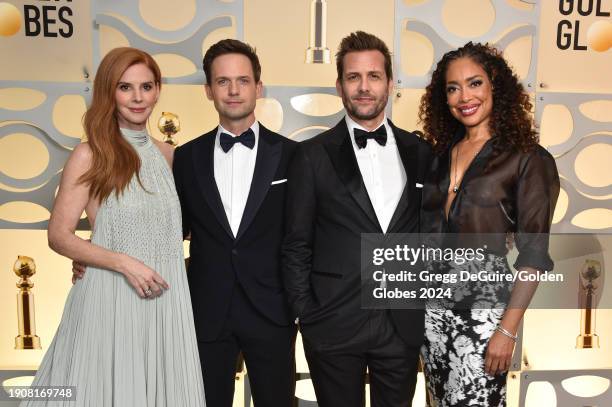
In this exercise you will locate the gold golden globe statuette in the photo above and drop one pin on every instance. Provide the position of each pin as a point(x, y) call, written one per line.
point(590, 272)
point(169, 124)
point(317, 51)
point(25, 268)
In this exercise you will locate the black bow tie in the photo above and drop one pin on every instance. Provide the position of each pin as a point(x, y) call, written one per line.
point(247, 139)
point(362, 136)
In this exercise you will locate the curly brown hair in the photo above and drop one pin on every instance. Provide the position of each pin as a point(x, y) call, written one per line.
point(511, 122)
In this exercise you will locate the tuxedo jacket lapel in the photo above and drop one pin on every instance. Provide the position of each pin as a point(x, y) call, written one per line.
point(266, 163)
point(409, 156)
point(203, 162)
point(342, 156)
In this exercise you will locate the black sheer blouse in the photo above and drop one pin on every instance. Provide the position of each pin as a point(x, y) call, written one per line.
point(503, 191)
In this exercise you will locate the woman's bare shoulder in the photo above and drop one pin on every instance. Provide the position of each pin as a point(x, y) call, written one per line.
point(81, 157)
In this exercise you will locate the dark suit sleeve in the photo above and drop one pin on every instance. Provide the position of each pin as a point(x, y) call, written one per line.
point(537, 193)
point(178, 165)
point(425, 158)
point(297, 245)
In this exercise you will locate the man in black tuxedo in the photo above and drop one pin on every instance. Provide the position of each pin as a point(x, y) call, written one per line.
point(361, 176)
point(231, 183)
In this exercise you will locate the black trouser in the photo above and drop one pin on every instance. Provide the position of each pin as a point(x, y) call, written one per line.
point(269, 354)
point(338, 371)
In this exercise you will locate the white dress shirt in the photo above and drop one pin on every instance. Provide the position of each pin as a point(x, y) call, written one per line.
point(233, 173)
point(382, 171)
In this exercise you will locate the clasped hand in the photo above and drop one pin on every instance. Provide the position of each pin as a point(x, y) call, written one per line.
point(146, 281)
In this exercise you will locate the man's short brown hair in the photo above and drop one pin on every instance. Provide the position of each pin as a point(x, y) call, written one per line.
point(230, 46)
point(362, 41)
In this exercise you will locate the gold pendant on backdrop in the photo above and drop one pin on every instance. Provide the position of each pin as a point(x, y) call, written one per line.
point(317, 51)
point(590, 272)
point(25, 268)
point(169, 124)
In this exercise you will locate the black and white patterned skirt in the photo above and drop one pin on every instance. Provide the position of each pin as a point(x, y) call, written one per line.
point(457, 335)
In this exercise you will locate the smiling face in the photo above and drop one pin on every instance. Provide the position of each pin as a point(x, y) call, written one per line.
point(135, 96)
point(469, 93)
point(233, 89)
point(364, 87)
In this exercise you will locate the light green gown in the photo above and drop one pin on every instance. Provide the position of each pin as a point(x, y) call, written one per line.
point(117, 348)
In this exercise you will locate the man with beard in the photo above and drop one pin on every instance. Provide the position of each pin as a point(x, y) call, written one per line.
point(361, 176)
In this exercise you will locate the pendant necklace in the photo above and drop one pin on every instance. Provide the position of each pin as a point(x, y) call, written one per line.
point(456, 187)
point(457, 181)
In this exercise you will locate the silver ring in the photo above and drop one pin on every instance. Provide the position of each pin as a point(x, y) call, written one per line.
point(148, 292)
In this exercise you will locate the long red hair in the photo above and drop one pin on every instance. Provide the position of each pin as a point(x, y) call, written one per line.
point(114, 160)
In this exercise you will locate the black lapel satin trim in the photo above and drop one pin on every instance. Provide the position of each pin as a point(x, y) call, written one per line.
point(266, 164)
point(345, 163)
point(409, 156)
point(203, 161)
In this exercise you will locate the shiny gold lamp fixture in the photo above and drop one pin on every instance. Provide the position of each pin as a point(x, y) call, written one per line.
point(590, 272)
point(169, 124)
point(317, 51)
point(25, 268)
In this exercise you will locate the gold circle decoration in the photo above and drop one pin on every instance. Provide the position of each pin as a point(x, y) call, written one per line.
point(10, 20)
point(174, 65)
point(599, 36)
point(417, 52)
point(518, 55)
point(317, 104)
point(411, 3)
point(20, 99)
point(586, 385)
point(167, 16)
point(477, 22)
point(23, 212)
point(562, 205)
point(556, 126)
point(592, 165)
point(270, 113)
point(597, 110)
point(67, 113)
point(594, 218)
point(23, 156)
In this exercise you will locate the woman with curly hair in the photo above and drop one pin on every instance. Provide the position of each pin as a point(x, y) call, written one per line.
point(489, 179)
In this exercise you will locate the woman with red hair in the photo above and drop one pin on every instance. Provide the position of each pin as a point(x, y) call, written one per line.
point(127, 336)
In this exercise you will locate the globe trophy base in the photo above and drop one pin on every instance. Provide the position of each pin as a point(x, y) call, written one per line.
point(587, 341)
point(27, 342)
point(318, 55)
